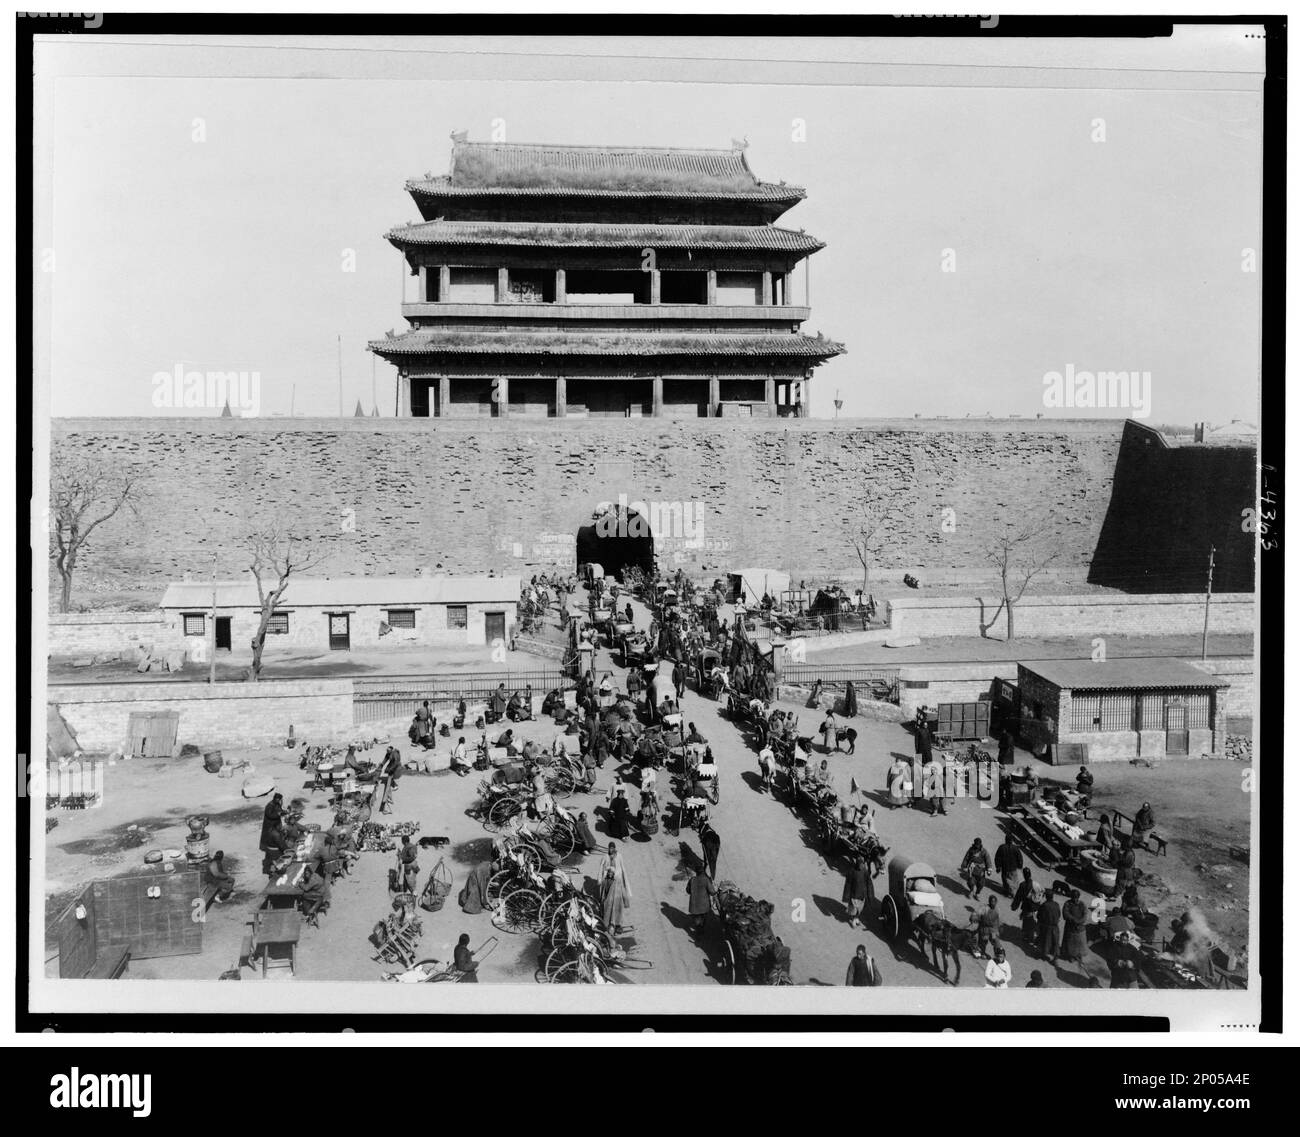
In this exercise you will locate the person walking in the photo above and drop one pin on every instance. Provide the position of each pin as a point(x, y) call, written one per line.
point(700, 891)
point(1028, 897)
point(863, 971)
point(1049, 928)
point(988, 928)
point(679, 679)
point(767, 765)
point(975, 867)
point(615, 895)
point(711, 843)
point(828, 732)
point(859, 896)
point(1009, 860)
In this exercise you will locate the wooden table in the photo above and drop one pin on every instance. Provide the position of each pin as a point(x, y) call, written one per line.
point(273, 928)
point(1047, 833)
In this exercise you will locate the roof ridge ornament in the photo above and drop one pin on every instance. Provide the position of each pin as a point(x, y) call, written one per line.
point(740, 143)
point(460, 135)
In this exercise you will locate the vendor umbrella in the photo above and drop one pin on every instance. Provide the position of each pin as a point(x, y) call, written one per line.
point(1117, 924)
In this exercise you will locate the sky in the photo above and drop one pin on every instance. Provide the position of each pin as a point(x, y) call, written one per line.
point(234, 221)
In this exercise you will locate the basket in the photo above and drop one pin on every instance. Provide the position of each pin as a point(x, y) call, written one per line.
point(438, 887)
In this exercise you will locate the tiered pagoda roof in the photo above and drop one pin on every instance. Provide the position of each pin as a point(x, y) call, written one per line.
point(590, 209)
point(485, 169)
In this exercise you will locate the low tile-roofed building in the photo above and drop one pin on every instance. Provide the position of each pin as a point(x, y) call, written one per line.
point(1076, 711)
point(324, 591)
point(345, 612)
point(1122, 673)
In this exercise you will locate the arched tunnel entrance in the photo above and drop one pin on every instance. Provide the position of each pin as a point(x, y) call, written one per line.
point(617, 540)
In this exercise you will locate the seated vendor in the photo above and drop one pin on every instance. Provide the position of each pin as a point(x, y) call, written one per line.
point(315, 893)
point(216, 874)
point(460, 759)
point(293, 830)
point(506, 739)
point(694, 736)
point(553, 700)
point(359, 768)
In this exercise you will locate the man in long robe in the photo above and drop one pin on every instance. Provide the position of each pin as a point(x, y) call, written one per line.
point(1075, 913)
point(615, 895)
point(620, 812)
point(700, 891)
point(271, 819)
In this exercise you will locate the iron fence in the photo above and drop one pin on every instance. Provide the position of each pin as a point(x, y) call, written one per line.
point(872, 682)
point(400, 696)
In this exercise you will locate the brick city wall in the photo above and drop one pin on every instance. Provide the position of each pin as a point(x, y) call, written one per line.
point(1084, 615)
point(400, 494)
point(228, 714)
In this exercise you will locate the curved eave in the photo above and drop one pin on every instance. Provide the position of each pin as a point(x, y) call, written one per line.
point(458, 235)
point(423, 344)
point(764, 193)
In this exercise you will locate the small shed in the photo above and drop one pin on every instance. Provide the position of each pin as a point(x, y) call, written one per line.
point(1090, 711)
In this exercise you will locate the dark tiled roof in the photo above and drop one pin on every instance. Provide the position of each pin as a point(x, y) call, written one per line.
point(762, 191)
point(599, 236)
point(1123, 674)
point(427, 341)
point(635, 169)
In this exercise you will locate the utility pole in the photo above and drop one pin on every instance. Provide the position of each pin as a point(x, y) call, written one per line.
point(1209, 588)
point(212, 627)
point(340, 376)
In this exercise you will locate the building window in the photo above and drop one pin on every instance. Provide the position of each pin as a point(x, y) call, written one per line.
point(278, 624)
point(1116, 712)
point(401, 618)
point(1198, 710)
point(193, 623)
point(1084, 713)
point(457, 616)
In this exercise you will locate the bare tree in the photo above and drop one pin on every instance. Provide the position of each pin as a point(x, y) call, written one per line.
point(1020, 551)
point(869, 531)
point(84, 493)
point(276, 555)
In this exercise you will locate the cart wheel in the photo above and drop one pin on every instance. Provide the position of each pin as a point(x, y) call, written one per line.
point(564, 839)
point(501, 813)
point(498, 882)
point(889, 916)
point(561, 784)
point(518, 911)
point(573, 972)
point(556, 959)
point(729, 958)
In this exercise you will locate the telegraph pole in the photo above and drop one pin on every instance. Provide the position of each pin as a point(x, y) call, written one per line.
point(1209, 588)
point(340, 376)
point(212, 630)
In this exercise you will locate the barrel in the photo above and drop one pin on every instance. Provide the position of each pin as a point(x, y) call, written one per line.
point(196, 848)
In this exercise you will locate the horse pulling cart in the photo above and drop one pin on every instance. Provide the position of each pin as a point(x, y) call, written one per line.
point(752, 952)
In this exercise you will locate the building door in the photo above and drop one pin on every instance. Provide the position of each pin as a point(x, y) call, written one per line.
point(223, 633)
point(1176, 738)
point(496, 626)
point(340, 631)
